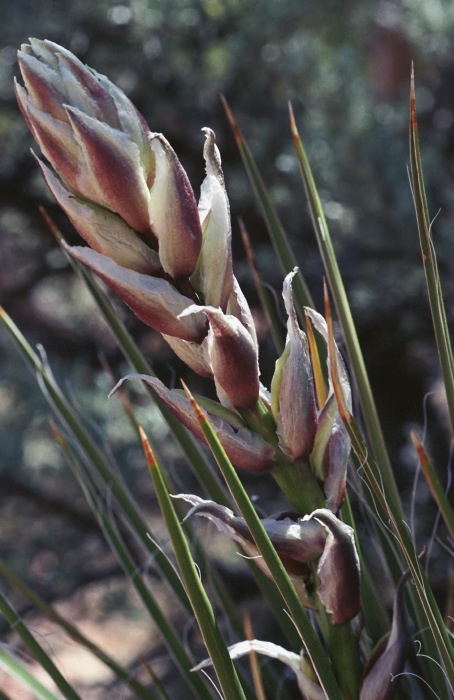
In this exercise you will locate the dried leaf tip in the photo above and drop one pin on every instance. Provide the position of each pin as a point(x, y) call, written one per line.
point(58, 435)
point(149, 454)
point(293, 127)
point(199, 414)
point(412, 97)
point(247, 243)
point(50, 223)
point(422, 455)
point(232, 121)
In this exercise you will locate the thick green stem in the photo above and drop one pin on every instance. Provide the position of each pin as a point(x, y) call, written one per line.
point(299, 485)
point(343, 649)
point(296, 479)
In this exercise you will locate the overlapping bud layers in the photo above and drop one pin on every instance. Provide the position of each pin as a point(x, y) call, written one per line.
point(170, 258)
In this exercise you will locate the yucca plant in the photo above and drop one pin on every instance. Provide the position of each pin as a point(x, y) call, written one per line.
point(170, 260)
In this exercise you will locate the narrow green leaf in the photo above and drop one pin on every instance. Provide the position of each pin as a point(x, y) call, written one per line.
point(20, 672)
point(73, 632)
point(429, 259)
point(216, 646)
point(97, 459)
point(346, 320)
point(438, 493)
point(377, 620)
point(181, 658)
point(427, 612)
point(36, 649)
point(277, 234)
point(424, 605)
point(268, 304)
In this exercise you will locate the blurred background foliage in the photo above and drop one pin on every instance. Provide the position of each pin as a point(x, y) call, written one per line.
point(345, 67)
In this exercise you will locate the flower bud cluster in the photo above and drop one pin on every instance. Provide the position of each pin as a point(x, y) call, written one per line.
point(304, 431)
point(128, 196)
point(170, 258)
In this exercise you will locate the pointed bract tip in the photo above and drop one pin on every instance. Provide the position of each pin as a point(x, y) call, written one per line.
point(293, 127)
point(422, 454)
point(58, 435)
point(247, 245)
point(149, 454)
point(232, 120)
point(199, 414)
point(52, 226)
point(412, 97)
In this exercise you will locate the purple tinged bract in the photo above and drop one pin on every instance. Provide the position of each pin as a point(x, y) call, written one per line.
point(232, 356)
point(244, 448)
point(292, 389)
point(103, 152)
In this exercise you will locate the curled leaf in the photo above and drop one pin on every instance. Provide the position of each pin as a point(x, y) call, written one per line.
point(338, 569)
point(309, 688)
point(155, 301)
point(388, 657)
point(245, 449)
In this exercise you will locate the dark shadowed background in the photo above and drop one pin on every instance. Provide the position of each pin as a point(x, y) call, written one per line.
point(346, 69)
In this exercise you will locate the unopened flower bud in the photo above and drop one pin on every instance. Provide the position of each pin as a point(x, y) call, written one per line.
point(338, 569)
point(101, 148)
point(292, 387)
point(191, 353)
point(330, 455)
point(213, 276)
point(232, 356)
point(104, 231)
point(173, 212)
point(237, 306)
point(297, 542)
point(88, 130)
point(329, 458)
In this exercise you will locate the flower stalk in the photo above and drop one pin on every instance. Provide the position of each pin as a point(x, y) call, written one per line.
point(169, 258)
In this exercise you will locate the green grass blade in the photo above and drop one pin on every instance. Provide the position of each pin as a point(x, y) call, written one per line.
point(277, 234)
point(289, 596)
point(73, 632)
point(172, 641)
point(94, 455)
point(437, 643)
point(429, 258)
point(267, 303)
point(438, 493)
point(36, 649)
point(336, 284)
point(432, 631)
point(216, 646)
point(209, 481)
point(20, 672)
point(376, 618)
